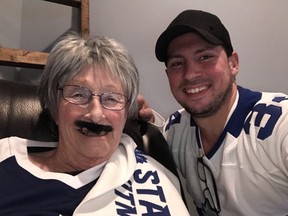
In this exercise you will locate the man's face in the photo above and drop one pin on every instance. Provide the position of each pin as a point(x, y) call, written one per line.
point(200, 74)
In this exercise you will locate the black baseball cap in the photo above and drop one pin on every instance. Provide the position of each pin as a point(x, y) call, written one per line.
point(205, 24)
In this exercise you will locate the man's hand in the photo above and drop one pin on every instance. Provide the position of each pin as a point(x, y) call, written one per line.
point(145, 112)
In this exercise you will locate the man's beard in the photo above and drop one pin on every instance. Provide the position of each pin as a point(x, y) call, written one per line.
point(213, 107)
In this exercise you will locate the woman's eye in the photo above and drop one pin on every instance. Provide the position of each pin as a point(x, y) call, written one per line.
point(78, 94)
point(110, 98)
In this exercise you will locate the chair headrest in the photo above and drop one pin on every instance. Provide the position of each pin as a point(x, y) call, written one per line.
point(21, 113)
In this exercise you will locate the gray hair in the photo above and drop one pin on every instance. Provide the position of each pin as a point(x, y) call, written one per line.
point(73, 53)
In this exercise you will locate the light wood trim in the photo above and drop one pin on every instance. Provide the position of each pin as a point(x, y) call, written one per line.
point(85, 21)
point(22, 58)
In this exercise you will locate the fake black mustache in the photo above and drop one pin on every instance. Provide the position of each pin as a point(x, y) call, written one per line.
point(96, 128)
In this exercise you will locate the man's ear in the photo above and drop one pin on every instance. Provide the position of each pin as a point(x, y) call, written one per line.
point(233, 61)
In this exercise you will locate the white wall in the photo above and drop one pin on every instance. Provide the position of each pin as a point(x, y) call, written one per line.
point(10, 30)
point(258, 29)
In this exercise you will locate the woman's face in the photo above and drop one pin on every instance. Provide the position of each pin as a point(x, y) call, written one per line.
point(78, 140)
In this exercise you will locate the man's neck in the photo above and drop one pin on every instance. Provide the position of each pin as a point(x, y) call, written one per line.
point(211, 127)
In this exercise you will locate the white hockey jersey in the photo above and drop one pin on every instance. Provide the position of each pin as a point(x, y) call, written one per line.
point(249, 162)
point(129, 183)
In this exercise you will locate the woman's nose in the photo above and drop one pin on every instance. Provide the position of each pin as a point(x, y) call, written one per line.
point(95, 109)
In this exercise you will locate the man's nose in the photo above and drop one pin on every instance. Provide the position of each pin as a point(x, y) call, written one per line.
point(192, 70)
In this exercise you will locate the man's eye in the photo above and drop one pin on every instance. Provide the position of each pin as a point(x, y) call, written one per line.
point(205, 57)
point(177, 63)
point(174, 64)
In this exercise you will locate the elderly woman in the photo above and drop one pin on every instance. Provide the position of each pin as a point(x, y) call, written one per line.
point(90, 87)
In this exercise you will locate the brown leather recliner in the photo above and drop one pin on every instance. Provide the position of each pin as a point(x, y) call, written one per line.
point(21, 115)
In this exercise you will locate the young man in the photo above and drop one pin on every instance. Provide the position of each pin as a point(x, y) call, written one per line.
point(230, 143)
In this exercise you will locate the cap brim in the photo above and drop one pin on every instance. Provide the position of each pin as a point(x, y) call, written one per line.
point(168, 35)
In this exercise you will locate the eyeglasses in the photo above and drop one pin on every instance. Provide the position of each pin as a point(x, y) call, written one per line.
point(203, 171)
point(80, 95)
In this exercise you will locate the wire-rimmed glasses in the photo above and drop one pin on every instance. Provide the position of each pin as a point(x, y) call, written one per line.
point(80, 95)
point(211, 198)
